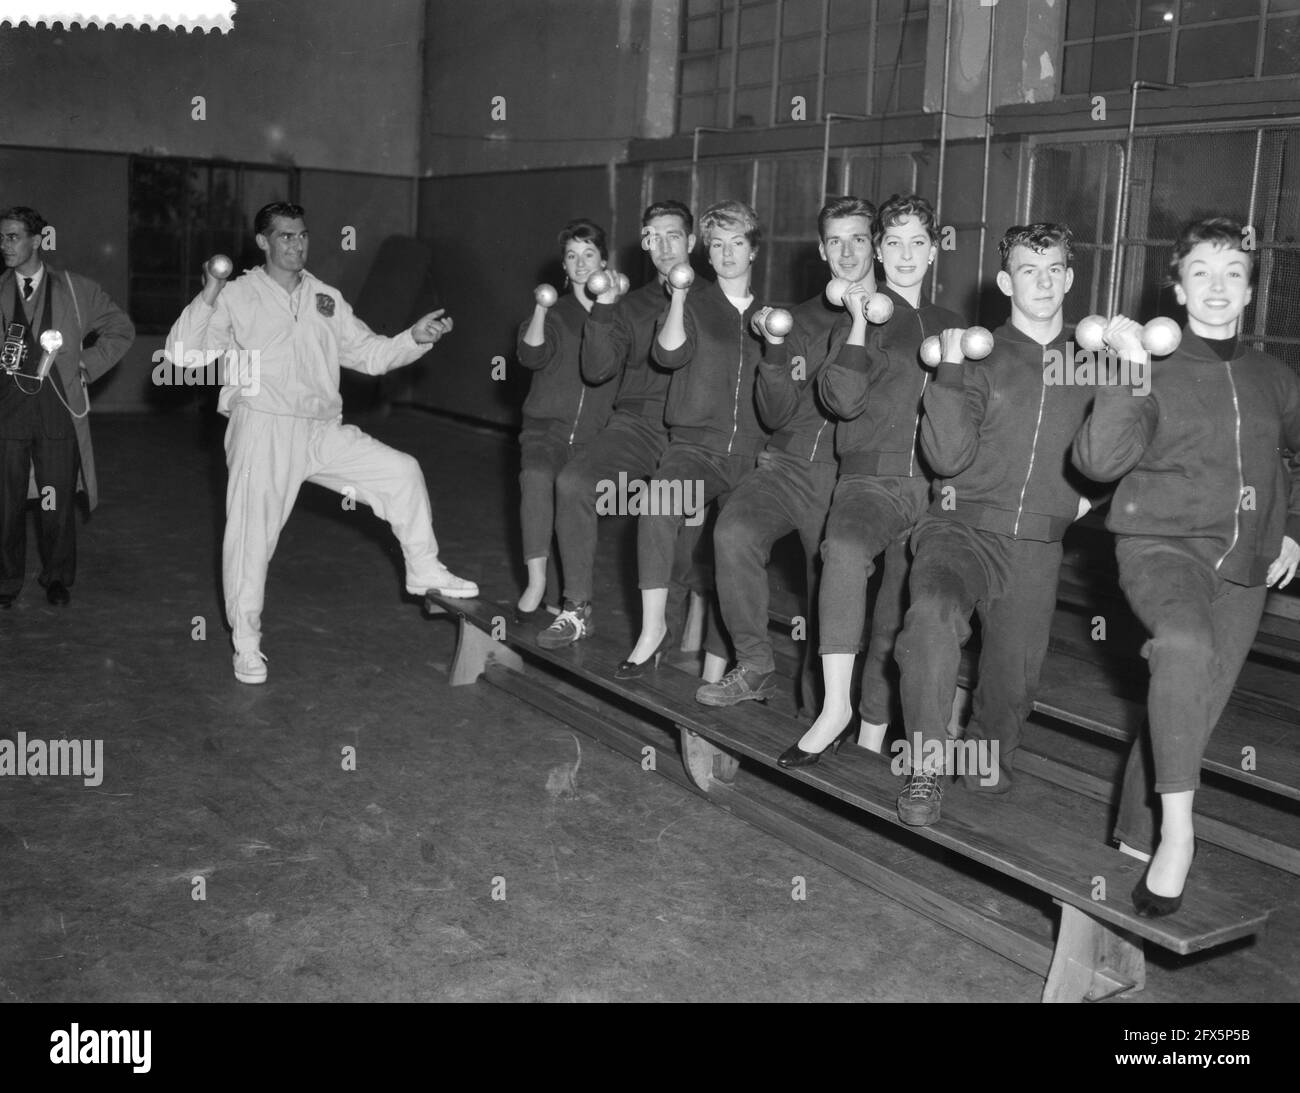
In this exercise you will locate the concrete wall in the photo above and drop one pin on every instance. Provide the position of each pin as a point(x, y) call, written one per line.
point(297, 81)
point(387, 111)
point(574, 78)
point(331, 88)
point(493, 239)
point(91, 239)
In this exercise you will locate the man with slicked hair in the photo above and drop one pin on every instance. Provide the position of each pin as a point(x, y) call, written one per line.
point(287, 429)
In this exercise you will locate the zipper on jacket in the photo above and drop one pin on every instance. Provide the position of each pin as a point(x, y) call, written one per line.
point(581, 395)
point(1033, 450)
point(817, 440)
point(740, 372)
point(1241, 474)
point(916, 422)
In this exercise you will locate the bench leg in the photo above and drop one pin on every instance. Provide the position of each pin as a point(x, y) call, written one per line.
point(475, 650)
point(705, 762)
point(1093, 960)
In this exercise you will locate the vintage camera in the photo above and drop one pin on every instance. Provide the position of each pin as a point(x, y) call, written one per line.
point(14, 348)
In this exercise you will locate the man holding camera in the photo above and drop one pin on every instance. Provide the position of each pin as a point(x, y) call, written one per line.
point(44, 429)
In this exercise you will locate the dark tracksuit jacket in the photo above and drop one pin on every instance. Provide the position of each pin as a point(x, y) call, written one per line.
point(711, 395)
point(1185, 452)
point(560, 403)
point(791, 407)
point(713, 427)
point(616, 344)
point(997, 435)
point(875, 390)
point(791, 488)
point(615, 353)
point(1209, 484)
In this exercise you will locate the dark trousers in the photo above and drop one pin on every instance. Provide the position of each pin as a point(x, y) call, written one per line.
point(628, 444)
point(1202, 628)
point(656, 535)
point(878, 665)
point(543, 455)
point(869, 515)
point(784, 494)
point(958, 570)
point(55, 462)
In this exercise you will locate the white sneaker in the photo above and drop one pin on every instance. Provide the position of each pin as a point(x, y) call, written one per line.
point(451, 586)
point(250, 667)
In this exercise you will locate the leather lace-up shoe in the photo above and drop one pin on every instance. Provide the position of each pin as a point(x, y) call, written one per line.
point(738, 685)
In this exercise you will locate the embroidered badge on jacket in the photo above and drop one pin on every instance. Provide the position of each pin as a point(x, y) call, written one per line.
point(325, 304)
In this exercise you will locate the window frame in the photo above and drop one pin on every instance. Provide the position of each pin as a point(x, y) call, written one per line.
point(188, 279)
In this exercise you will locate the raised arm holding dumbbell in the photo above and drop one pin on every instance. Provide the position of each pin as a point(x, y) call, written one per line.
point(873, 383)
point(1206, 517)
point(285, 427)
point(791, 490)
point(996, 431)
point(563, 411)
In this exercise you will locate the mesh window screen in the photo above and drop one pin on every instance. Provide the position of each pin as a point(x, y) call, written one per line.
point(786, 193)
point(1076, 185)
point(877, 177)
point(745, 62)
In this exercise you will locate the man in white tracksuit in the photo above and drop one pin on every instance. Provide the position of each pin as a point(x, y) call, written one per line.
point(283, 335)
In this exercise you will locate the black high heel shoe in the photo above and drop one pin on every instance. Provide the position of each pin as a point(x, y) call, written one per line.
point(794, 756)
point(1150, 905)
point(627, 670)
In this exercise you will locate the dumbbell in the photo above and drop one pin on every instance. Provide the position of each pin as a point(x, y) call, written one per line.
point(545, 295)
point(1160, 337)
point(220, 267)
point(681, 275)
point(623, 283)
point(877, 308)
point(835, 290)
point(599, 283)
point(976, 344)
point(779, 322)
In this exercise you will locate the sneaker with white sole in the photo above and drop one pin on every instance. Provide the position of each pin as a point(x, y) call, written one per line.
point(921, 801)
point(453, 587)
point(570, 625)
point(250, 666)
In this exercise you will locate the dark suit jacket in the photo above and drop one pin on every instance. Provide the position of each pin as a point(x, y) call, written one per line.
point(81, 308)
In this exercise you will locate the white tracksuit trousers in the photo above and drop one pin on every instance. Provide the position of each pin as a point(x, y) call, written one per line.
point(269, 457)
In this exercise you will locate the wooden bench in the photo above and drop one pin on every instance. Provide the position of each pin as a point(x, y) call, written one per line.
point(1098, 950)
point(1100, 687)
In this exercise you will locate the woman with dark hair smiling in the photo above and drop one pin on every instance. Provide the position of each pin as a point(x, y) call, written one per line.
point(1207, 519)
point(562, 411)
